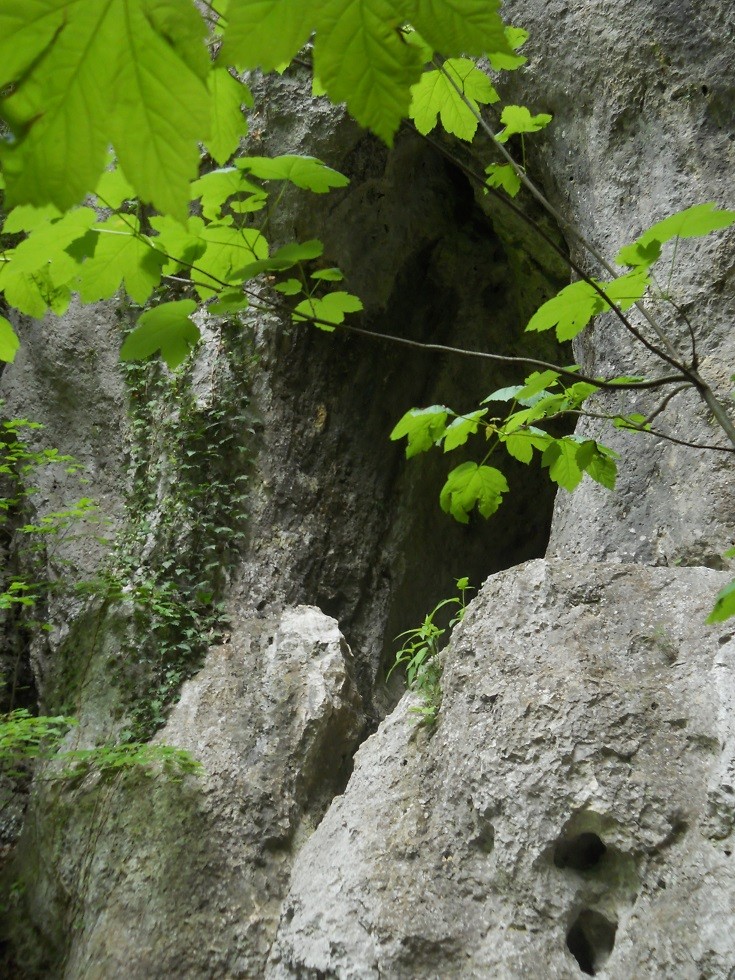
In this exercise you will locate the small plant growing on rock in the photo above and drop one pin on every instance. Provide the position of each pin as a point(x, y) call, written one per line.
point(419, 654)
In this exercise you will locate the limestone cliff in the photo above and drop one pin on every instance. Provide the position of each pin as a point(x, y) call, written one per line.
point(572, 811)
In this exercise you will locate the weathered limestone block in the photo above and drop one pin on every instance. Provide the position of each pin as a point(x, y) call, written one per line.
point(576, 797)
point(185, 879)
point(643, 101)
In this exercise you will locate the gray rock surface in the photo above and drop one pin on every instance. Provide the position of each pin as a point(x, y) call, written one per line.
point(576, 792)
point(185, 879)
point(586, 704)
point(573, 810)
point(644, 120)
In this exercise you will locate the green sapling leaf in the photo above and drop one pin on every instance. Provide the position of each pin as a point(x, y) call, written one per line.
point(560, 457)
point(516, 38)
point(306, 172)
point(9, 342)
point(693, 222)
point(471, 27)
point(122, 254)
point(517, 119)
point(331, 309)
point(470, 485)
point(423, 427)
point(521, 443)
point(328, 275)
point(601, 466)
point(266, 33)
point(289, 287)
point(166, 328)
point(436, 96)
point(461, 428)
point(228, 124)
point(724, 606)
point(505, 176)
point(537, 383)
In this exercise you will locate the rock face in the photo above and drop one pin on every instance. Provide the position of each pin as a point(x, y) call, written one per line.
point(576, 795)
point(572, 812)
point(564, 814)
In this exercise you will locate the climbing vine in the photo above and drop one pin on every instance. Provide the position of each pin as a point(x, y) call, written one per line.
point(186, 520)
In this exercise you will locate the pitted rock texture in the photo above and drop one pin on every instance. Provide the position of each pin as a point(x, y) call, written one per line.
point(185, 879)
point(643, 101)
point(575, 797)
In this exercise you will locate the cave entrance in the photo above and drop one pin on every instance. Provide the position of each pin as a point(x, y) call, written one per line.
point(433, 264)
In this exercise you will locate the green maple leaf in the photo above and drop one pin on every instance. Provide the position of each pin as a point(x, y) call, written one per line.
point(227, 250)
point(112, 188)
point(457, 27)
point(461, 428)
point(27, 217)
point(423, 428)
point(228, 125)
point(574, 306)
point(569, 311)
point(221, 187)
point(435, 95)
point(9, 342)
point(166, 328)
point(121, 254)
point(180, 244)
point(94, 72)
point(599, 464)
point(724, 606)
point(302, 171)
point(266, 33)
point(626, 290)
point(361, 59)
point(505, 176)
point(517, 119)
point(560, 456)
point(470, 485)
point(38, 272)
point(521, 444)
point(283, 258)
point(516, 37)
point(332, 309)
point(693, 222)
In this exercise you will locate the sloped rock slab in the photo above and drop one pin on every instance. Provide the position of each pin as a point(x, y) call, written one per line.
point(571, 813)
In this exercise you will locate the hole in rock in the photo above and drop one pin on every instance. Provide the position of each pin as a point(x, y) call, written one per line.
point(580, 853)
point(372, 546)
point(590, 941)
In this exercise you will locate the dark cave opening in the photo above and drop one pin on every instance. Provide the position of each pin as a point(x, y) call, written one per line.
point(430, 266)
point(590, 940)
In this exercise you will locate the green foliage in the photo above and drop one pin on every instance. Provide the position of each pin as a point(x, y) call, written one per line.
point(575, 306)
point(188, 471)
point(470, 485)
point(167, 328)
point(505, 176)
point(25, 582)
point(9, 342)
point(137, 75)
point(724, 606)
point(419, 654)
point(24, 737)
point(702, 219)
point(84, 75)
point(439, 94)
point(516, 120)
point(27, 738)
